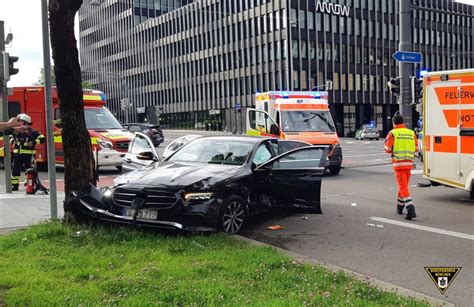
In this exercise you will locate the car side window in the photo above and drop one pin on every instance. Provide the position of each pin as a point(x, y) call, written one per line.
point(285, 146)
point(303, 159)
point(175, 145)
point(140, 145)
point(262, 154)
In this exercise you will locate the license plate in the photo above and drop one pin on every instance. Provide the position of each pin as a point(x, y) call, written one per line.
point(145, 214)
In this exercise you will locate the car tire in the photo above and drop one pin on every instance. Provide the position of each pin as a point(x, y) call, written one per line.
point(233, 215)
point(377, 139)
point(335, 169)
point(471, 194)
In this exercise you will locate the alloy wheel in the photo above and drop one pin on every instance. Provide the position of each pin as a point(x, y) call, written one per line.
point(233, 217)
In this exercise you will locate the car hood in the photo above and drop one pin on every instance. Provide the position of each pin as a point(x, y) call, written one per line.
point(173, 175)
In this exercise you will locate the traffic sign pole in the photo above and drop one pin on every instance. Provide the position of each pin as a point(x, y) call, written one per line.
point(405, 107)
point(4, 115)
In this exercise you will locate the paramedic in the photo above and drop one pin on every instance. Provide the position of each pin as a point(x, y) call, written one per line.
point(402, 144)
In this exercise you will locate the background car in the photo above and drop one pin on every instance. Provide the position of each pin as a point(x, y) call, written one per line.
point(178, 143)
point(367, 132)
point(212, 183)
point(152, 131)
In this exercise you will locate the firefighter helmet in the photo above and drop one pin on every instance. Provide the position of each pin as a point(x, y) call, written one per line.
point(24, 117)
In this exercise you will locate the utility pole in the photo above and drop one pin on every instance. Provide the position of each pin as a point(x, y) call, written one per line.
point(53, 202)
point(405, 44)
point(4, 114)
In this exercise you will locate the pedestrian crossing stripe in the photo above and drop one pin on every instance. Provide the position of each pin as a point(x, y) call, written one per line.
point(442, 276)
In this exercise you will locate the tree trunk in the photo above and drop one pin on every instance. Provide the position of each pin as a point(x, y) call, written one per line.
point(78, 159)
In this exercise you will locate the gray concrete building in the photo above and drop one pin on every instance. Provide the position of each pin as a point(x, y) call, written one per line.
point(197, 61)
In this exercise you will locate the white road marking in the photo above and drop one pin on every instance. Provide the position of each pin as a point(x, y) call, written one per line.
point(425, 228)
point(417, 171)
point(379, 154)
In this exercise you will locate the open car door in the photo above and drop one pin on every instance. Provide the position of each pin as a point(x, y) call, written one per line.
point(260, 123)
point(141, 153)
point(293, 179)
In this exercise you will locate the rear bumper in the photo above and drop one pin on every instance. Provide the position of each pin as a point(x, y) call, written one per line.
point(110, 157)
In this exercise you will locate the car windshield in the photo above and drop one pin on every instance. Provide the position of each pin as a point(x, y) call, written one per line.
point(307, 121)
point(214, 151)
point(100, 119)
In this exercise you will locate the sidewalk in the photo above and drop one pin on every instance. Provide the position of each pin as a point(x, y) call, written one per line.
point(21, 210)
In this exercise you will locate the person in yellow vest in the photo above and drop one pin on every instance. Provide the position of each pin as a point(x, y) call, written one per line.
point(402, 144)
point(24, 150)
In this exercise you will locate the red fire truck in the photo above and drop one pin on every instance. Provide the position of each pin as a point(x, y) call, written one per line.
point(107, 135)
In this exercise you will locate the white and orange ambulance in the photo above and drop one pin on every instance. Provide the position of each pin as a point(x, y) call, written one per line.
point(448, 113)
point(299, 116)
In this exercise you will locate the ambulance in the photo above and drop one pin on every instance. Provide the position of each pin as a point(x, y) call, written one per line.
point(109, 139)
point(300, 116)
point(448, 114)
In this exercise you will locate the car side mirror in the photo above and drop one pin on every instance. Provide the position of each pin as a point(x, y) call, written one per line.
point(147, 155)
point(274, 129)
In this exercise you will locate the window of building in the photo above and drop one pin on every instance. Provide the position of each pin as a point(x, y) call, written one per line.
point(303, 81)
point(312, 50)
point(320, 52)
point(310, 20)
point(365, 83)
point(350, 82)
point(303, 50)
point(295, 49)
point(358, 87)
point(335, 81)
point(343, 82)
point(302, 19)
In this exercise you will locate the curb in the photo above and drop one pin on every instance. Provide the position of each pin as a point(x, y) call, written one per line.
point(366, 279)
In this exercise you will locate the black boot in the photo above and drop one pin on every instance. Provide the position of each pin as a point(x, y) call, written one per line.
point(410, 212)
point(400, 209)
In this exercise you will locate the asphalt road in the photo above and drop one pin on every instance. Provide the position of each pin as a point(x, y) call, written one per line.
point(362, 195)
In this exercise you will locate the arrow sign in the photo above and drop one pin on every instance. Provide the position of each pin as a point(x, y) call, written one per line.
point(407, 57)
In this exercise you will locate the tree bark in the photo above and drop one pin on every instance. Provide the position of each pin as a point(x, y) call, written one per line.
point(79, 169)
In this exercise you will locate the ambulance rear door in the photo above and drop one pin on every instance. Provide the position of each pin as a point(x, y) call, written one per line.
point(442, 111)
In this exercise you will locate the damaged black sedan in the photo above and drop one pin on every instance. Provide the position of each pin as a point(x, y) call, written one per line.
point(213, 183)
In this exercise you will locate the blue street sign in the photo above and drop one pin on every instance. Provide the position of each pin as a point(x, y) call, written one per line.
point(407, 57)
point(237, 105)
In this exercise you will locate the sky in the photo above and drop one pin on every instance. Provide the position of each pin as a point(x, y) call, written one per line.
point(23, 19)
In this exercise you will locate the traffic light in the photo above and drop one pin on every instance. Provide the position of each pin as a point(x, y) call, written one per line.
point(394, 86)
point(8, 65)
point(417, 89)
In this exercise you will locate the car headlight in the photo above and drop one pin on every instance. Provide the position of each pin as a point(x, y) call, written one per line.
point(197, 196)
point(105, 144)
point(106, 191)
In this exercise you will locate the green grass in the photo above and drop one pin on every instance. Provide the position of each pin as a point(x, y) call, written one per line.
point(47, 265)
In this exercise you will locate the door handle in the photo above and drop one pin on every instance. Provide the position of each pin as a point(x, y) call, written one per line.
point(127, 160)
point(438, 139)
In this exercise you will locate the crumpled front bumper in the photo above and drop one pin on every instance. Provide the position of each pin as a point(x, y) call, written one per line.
point(94, 206)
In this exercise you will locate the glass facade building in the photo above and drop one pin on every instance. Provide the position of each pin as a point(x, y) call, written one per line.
point(196, 61)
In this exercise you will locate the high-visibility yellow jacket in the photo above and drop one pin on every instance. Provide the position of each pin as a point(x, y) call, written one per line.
point(402, 143)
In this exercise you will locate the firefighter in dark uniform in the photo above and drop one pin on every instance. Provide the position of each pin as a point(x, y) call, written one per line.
point(24, 151)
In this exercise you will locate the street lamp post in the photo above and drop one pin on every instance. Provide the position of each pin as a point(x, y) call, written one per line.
point(49, 112)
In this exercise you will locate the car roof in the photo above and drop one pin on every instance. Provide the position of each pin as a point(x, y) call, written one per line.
point(244, 138)
point(139, 124)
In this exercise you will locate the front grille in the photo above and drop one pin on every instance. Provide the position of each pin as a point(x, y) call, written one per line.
point(153, 199)
point(122, 146)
